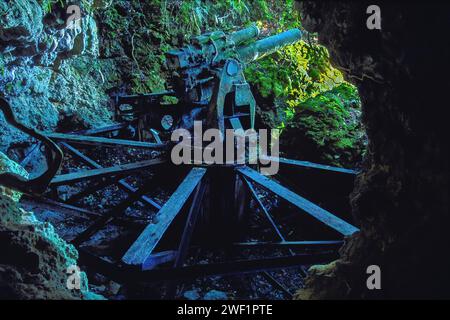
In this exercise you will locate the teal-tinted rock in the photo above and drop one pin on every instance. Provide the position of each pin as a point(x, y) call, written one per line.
point(20, 20)
point(215, 295)
point(56, 75)
point(38, 258)
point(191, 295)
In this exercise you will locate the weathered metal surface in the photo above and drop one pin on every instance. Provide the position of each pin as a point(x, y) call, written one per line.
point(208, 48)
point(243, 35)
point(138, 253)
point(124, 169)
point(53, 155)
point(148, 99)
point(268, 45)
point(226, 84)
point(145, 110)
point(310, 208)
point(91, 140)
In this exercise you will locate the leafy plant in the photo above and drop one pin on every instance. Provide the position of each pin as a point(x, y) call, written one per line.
point(47, 5)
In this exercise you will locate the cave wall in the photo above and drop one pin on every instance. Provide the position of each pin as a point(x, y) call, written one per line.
point(35, 260)
point(48, 72)
point(51, 76)
point(400, 199)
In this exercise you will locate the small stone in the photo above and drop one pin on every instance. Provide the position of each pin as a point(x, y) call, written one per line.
point(215, 295)
point(191, 295)
point(114, 288)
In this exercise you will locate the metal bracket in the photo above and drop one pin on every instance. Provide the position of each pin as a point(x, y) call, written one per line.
point(53, 154)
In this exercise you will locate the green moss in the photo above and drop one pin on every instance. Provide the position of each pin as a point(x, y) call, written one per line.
point(2, 66)
point(305, 72)
point(114, 21)
point(326, 128)
point(47, 5)
point(10, 87)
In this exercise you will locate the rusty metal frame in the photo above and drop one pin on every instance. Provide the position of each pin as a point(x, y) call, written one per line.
point(53, 154)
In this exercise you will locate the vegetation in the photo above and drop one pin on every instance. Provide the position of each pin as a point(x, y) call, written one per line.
point(327, 127)
point(47, 5)
point(2, 66)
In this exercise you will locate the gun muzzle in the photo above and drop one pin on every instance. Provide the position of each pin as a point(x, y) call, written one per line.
point(268, 45)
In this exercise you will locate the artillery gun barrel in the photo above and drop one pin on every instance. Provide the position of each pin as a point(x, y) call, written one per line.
point(268, 45)
point(245, 34)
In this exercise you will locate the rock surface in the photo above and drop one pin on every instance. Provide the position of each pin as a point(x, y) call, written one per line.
point(215, 295)
point(401, 198)
point(34, 260)
point(49, 72)
point(191, 295)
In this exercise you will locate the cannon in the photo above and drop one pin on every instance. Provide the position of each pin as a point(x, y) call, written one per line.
point(209, 72)
point(207, 77)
